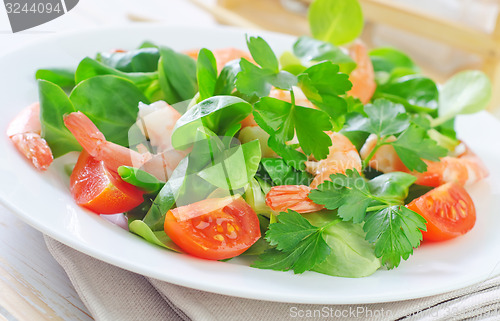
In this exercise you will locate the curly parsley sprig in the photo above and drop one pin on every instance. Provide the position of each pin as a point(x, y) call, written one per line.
point(390, 120)
point(322, 83)
point(394, 229)
point(299, 245)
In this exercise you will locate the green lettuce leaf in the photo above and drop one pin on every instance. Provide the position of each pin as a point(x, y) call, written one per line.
point(338, 22)
point(218, 114)
point(351, 255)
point(111, 103)
point(54, 104)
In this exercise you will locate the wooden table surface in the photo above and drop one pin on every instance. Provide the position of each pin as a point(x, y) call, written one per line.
point(32, 284)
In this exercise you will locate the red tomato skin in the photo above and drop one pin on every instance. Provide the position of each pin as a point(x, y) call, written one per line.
point(448, 210)
point(201, 235)
point(100, 190)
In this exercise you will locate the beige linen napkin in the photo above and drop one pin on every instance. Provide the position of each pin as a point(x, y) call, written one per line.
point(114, 294)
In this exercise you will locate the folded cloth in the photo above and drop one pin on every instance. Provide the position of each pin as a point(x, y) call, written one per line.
point(111, 293)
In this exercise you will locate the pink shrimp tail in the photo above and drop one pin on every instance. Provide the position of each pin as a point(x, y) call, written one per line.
point(27, 121)
point(94, 142)
point(294, 197)
point(85, 132)
point(24, 132)
point(363, 77)
point(34, 148)
point(463, 170)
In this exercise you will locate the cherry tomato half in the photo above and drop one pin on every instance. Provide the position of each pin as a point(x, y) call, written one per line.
point(100, 190)
point(449, 211)
point(214, 229)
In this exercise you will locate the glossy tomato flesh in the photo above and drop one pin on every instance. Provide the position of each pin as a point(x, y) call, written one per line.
point(100, 190)
point(213, 229)
point(449, 211)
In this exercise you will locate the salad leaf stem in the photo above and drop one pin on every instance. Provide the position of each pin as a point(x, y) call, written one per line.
point(380, 142)
point(292, 98)
point(332, 223)
point(378, 207)
point(436, 122)
point(141, 179)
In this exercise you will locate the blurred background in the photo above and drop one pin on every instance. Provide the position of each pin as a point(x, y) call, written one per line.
point(442, 36)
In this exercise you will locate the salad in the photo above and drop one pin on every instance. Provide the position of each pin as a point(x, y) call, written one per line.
point(330, 158)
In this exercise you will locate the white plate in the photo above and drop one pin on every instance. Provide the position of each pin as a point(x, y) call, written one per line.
point(43, 200)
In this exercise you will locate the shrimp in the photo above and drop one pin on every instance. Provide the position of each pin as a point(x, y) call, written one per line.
point(114, 155)
point(342, 156)
point(467, 168)
point(385, 159)
point(24, 131)
point(223, 56)
point(294, 197)
point(157, 122)
point(363, 77)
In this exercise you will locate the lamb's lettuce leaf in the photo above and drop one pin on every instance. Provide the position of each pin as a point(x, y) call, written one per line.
point(338, 22)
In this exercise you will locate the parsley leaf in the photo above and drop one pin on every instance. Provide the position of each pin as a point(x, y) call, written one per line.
point(293, 229)
point(326, 79)
point(299, 245)
point(263, 54)
point(348, 193)
point(323, 84)
point(384, 118)
point(283, 80)
point(414, 144)
point(291, 156)
point(354, 105)
point(282, 120)
point(255, 80)
point(395, 230)
point(273, 259)
point(252, 80)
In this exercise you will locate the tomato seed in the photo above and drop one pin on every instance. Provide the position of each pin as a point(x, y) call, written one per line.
point(219, 237)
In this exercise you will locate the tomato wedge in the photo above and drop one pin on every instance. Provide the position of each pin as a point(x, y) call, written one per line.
point(100, 190)
point(214, 229)
point(449, 211)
